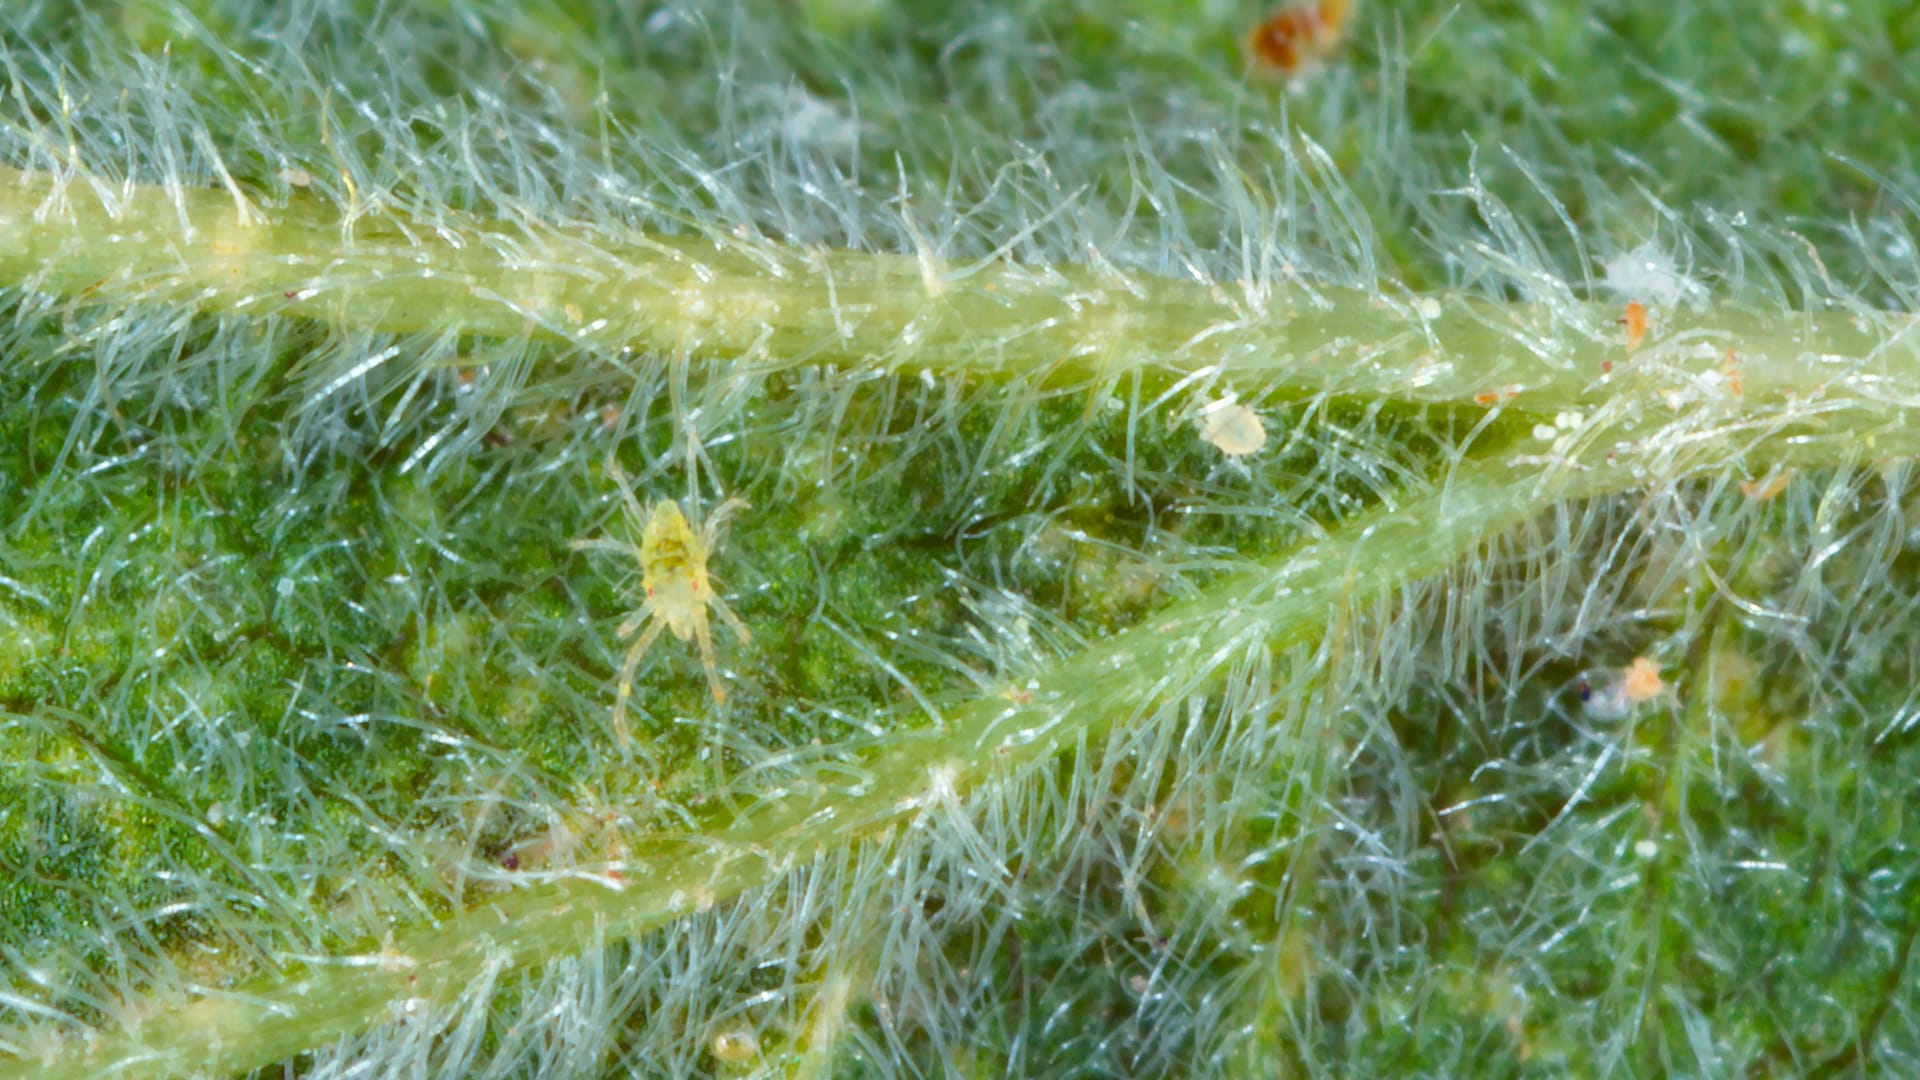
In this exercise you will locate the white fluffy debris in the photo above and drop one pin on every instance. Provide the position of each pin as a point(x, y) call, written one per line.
point(1648, 274)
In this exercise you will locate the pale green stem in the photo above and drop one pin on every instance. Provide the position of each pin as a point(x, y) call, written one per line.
point(732, 298)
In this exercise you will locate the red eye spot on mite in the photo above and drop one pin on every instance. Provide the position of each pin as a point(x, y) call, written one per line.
point(1297, 36)
point(1635, 320)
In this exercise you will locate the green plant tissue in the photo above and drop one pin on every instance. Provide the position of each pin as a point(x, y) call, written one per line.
point(1057, 538)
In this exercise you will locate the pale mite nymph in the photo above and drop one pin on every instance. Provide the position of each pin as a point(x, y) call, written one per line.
point(672, 556)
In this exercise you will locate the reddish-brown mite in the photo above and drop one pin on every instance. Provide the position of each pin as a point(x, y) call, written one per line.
point(1297, 36)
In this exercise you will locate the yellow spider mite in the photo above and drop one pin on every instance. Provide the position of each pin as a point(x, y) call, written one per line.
point(673, 573)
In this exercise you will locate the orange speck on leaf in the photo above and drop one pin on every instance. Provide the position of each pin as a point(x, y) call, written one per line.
point(1641, 681)
point(1731, 369)
point(1636, 323)
point(1762, 490)
point(1497, 394)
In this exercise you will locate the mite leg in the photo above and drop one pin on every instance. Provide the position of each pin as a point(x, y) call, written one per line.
point(624, 689)
point(706, 660)
point(727, 616)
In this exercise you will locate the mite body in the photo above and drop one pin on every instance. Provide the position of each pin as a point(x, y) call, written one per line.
point(672, 555)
